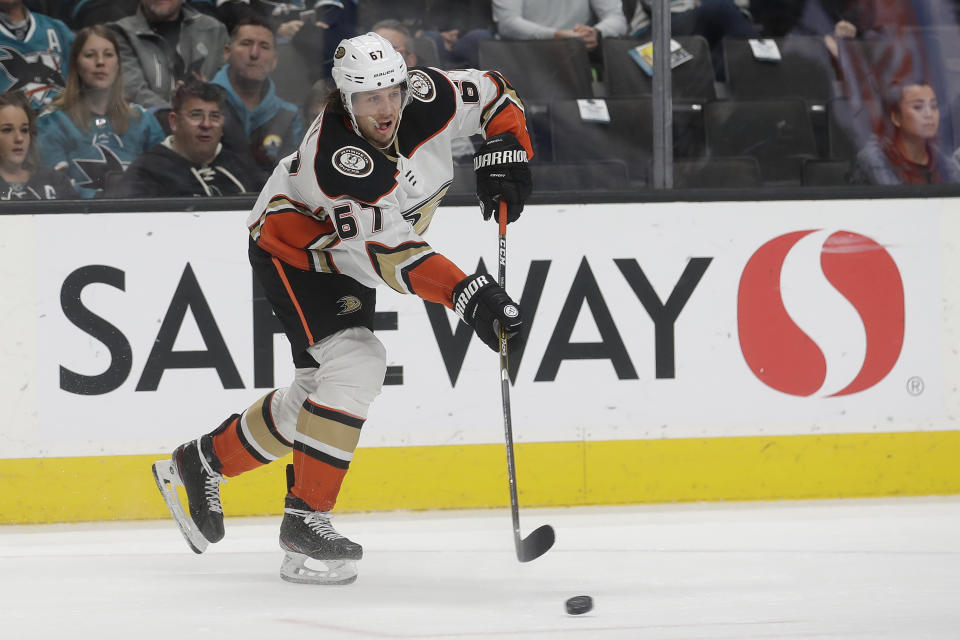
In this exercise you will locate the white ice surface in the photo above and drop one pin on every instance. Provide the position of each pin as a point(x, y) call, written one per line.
point(838, 569)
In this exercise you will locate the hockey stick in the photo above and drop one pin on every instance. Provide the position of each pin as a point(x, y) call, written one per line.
point(542, 538)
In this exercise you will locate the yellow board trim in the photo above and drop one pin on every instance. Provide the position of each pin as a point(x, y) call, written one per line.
point(39, 490)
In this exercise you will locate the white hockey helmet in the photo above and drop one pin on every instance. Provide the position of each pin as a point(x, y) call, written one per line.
point(365, 63)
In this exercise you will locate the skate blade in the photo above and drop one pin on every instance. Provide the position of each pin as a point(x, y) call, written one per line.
point(165, 474)
point(294, 569)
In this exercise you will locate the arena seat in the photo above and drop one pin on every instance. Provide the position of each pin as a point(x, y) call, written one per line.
point(713, 173)
point(849, 128)
point(597, 175)
point(804, 71)
point(689, 140)
point(541, 70)
point(627, 137)
point(825, 173)
point(603, 175)
point(777, 133)
point(538, 125)
point(692, 80)
point(464, 180)
point(426, 50)
point(293, 83)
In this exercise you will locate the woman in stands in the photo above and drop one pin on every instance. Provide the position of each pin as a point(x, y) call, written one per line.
point(21, 176)
point(907, 153)
point(91, 133)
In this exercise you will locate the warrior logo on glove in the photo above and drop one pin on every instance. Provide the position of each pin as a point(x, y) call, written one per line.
point(483, 305)
point(502, 173)
point(499, 157)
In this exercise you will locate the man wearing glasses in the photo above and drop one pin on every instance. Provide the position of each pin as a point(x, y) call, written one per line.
point(191, 161)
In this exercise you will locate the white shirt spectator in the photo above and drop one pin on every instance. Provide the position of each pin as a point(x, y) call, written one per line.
point(541, 19)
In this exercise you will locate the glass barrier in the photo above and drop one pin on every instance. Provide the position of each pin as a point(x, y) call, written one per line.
point(819, 94)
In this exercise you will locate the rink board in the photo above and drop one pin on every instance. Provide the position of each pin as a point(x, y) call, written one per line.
point(549, 474)
point(647, 377)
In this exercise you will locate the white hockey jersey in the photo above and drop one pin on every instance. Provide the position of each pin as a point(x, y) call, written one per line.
point(339, 205)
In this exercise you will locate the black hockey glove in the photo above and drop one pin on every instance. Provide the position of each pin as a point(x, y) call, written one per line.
point(482, 304)
point(502, 172)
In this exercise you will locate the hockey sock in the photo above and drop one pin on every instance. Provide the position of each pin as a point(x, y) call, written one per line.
point(249, 440)
point(326, 439)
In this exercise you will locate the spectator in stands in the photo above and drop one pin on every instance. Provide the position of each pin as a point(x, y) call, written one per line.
point(833, 20)
point(457, 28)
point(908, 155)
point(286, 18)
point(21, 176)
point(33, 53)
point(544, 19)
point(313, 27)
point(191, 161)
point(258, 122)
point(712, 19)
point(91, 133)
point(316, 39)
point(850, 18)
point(84, 13)
point(399, 36)
point(163, 44)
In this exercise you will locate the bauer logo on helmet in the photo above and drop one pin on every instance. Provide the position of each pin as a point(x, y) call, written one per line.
point(369, 63)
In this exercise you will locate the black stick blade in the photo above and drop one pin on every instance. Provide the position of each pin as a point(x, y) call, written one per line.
point(536, 544)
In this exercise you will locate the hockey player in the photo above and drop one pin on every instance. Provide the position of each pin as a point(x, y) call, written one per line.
point(339, 217)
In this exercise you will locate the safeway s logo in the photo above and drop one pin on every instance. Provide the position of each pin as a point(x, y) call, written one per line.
point(784, 356)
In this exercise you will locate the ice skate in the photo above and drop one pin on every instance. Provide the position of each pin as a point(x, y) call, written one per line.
point(305, 535)
point(192, 465)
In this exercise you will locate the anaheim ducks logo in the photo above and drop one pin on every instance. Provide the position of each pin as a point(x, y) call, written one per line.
point(353, 162)
point(349, 304)
point(340, 53)
point(421, 86)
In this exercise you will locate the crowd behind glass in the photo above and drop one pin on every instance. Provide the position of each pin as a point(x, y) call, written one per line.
point(141, 98)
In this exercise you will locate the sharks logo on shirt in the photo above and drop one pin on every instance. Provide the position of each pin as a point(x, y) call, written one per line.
point(96, 170)
point(35, 74)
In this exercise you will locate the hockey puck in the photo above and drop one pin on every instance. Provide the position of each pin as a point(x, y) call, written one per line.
point(579, 604)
